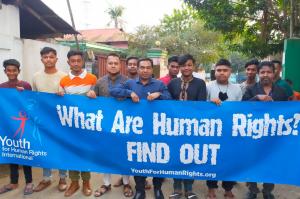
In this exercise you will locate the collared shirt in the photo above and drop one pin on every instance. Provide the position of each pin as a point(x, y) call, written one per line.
point(136, 86)
point(166, 79)
point(285, 86)
point(78, 85)
point(277, 93)
point(105, 83)
point(196, 90)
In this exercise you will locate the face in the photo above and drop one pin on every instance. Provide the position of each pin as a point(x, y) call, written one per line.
point(251, 71)
point(222, 73)
point(132, 66)
point(145, 70)
point(266, 75)
point(113, 65)
point(187, 68)
point(278, 69)
point(12, 72)
point(76, 63)
point(49, 60)
point(173, 69)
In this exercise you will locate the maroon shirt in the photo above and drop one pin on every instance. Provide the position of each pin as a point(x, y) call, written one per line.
point(18, 83)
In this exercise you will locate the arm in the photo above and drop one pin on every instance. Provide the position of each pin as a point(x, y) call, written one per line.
point(164, 93)
point(121, 91)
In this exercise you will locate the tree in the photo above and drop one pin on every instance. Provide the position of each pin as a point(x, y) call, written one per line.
point(254, 27)
point(115, 14)
point(179, 33)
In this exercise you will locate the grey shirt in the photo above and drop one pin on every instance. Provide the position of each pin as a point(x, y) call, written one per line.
point(234, 91)
point(105, 83)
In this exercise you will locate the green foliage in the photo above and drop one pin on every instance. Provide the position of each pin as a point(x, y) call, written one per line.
point(260, 25)
point(115, 14)
point(180, 33)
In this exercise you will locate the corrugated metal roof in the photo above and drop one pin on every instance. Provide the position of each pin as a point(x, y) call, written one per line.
point(38, 21)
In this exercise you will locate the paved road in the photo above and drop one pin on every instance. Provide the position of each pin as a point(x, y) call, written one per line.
point(281, 191)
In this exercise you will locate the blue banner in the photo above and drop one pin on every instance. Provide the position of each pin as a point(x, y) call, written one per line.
point(240, 141)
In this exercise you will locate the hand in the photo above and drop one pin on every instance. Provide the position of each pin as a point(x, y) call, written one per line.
point(60, 93)
point(216, 101)
point(134, 97)
point(91, 94)
point(19, 88)
point(153, 96)
point(265, 98)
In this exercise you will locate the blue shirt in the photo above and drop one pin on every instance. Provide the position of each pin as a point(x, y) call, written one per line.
point(135, 85)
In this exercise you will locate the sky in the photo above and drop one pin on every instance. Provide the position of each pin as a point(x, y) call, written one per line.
point(91, 14)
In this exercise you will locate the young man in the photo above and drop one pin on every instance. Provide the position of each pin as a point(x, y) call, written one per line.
point(47, 81)
point(145, 87)
point(78, 82)
point(112, 79)
point(131, 65)
point(12, 70)
point(173, 68)
point(186, 88)
point(280, 82)
point(217, 91)
point(251, 71)
point(264, 90)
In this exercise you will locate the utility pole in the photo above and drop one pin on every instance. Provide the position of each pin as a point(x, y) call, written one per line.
point(73, 24)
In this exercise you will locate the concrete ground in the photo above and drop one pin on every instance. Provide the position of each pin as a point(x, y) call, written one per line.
point(281, 191)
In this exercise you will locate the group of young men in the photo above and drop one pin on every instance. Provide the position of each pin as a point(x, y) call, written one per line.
point(140, 84)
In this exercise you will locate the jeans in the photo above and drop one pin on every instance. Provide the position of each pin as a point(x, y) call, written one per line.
point(187, 184)
point(47, 174)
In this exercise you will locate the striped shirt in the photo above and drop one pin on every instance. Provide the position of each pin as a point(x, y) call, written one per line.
point(78, 85)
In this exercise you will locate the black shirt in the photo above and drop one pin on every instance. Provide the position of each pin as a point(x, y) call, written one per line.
point(277, 93)
point(196, 90)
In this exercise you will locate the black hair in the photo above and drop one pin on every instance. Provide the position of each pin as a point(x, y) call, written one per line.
point(276, 62)
point(266, 63)
point(252, 62)
point(130, 58)
point(113, 55)
point(11, 62)
point(173, 59)
point(74, 52)
point(47, 50)
point(182, 59)
point(224, 62)
point(145, 59)
point(290, 82)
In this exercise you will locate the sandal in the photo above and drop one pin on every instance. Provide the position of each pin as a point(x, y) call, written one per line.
point(28, 189)
point(7, 188)
point(102, 190)
point(127, 190)
point(147, 185)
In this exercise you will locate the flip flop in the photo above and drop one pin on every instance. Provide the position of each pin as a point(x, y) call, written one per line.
point(5, 189)
point(28, 189)
point(127, 191)
point(102, 190)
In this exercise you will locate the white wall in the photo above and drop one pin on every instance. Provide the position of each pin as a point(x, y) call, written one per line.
point(10, 42)
point(32, 59)
point(26, 51)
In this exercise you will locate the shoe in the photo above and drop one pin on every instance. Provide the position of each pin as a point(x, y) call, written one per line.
point(158, 194)
point(86, 188)
point(139, 195)
point(269, 196)
point(251, 195)
point(42, 185)
point(175, 195)
point(72, 188)
point(190, 195)
point(62, 185)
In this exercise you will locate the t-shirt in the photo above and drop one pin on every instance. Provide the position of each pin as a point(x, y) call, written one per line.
point(18, 83)
point(234, 91)
point(78, 85)
point(285, 86)
point(49, 83)
point(166, 79)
